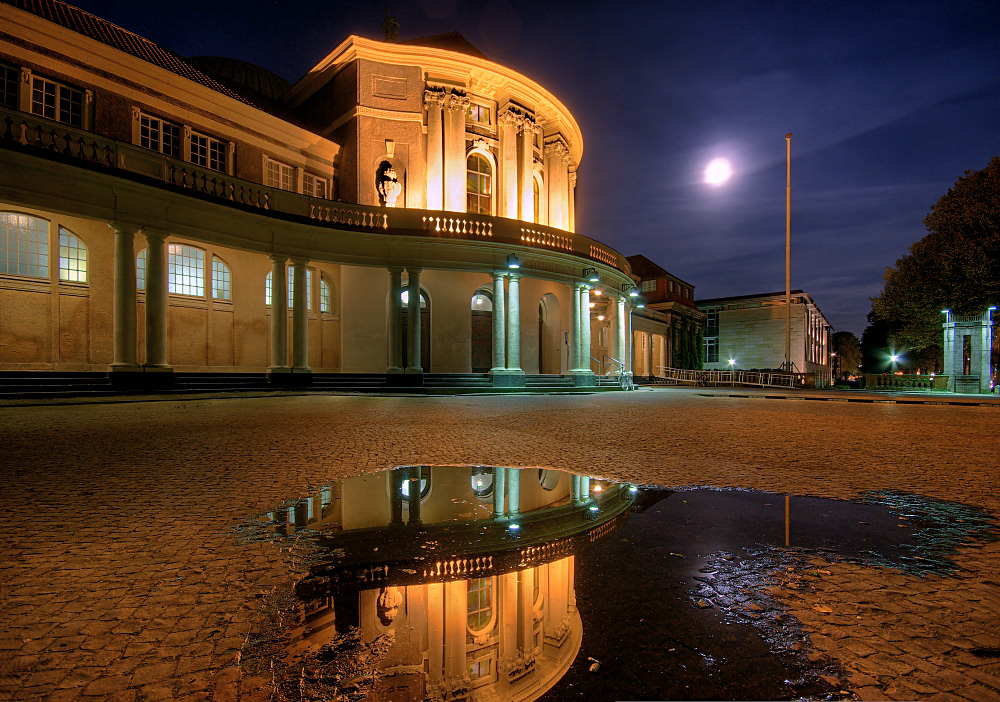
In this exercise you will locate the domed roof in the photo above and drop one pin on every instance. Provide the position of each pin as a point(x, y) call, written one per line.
point(245, 75)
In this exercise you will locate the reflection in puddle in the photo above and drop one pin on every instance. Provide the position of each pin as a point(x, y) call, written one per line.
point(513, 584)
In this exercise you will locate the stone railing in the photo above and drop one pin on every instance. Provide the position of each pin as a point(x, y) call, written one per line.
point(42, 137)
point(904, 382)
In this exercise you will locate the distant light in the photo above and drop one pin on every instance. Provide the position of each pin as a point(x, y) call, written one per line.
point(633, 488)
point(633, 292)
point(732, 361)
point(597, 488)
point(598, 293)
point(718, 171)
point(595, 508)
point(592, 305)
point(640, 306)
point(479, 299)
point(945, 311)
point(990, 308)
point(894, 358)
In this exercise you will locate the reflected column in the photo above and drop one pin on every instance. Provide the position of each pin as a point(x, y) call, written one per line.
point(415, 478)
point(499, 490)
point(413, 321)
point(396, 318)
point(396, 481)
point(513, 491)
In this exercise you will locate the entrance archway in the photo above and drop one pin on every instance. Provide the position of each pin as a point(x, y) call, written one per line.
point(549, 335)
point(425, 331)
point(482, 331)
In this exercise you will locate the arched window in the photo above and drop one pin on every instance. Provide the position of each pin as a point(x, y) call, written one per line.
point(222, 287)
point(290, 275)
point(479, 188)
point(537, 195)
point(24, 245)
point(185, 270)
point(325, 300)
point(480, 601)
point(140, 270)
point(482, 481)
point(72, 258)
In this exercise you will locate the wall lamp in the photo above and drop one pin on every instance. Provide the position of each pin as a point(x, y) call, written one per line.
point(630, 289)
point(512, 261)
point(591, 275)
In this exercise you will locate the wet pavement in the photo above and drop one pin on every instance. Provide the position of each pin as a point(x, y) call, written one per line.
point(122, 575)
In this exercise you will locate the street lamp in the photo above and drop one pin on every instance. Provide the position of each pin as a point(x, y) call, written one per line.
point(788, 252)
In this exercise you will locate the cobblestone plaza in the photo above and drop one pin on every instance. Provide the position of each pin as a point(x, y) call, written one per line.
point(121, 577)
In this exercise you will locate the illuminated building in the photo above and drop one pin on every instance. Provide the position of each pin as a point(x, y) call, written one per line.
point(403, 208)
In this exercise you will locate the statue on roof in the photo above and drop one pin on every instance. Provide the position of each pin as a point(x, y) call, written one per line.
point(390, 27)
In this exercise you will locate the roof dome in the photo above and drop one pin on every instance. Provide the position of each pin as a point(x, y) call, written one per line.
point(240, 73)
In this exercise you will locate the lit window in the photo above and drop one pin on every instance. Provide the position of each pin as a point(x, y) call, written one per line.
point(290, 276)
point(648, 286)
point(480, 603)
point(208, 152)
point(280, 175)
point(185, 270)
point(160, 135)
point(221, 280)
point(482, 668)
point(56, 101)
point(24, 245)
point(405, 297)
point(536, 193)
point(140, 270)
point(9, 86)
point(324, 296)
point(479, 185)
point(313, 185)
point(72, 258)
point(480, 114)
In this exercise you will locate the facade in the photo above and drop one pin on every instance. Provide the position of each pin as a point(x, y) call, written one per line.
point(748, 331)
point(161, 214)
point(667, 330)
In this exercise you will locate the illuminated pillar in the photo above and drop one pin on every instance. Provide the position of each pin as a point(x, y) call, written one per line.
point(124, 297)
point(574, 330)
point(499, 490)
point(571, 199)
point(526, 136)
point(413, 320)
point(507, 601)
point(395, 319)
point(585, 329)
point(556, 156)
point(414, 497)
point(647, 355)
point(435, 632)
point(513, 491)
point(300, 315)
point(456, 618)
point(620, 349)
point(279, 312)
point(508, 121)
point(576, 488)
point(525, 612)
point(434, 100)
point(454, 153)
point(513, 324)
point(156, 299)
point(499, 325)
point(584, 488)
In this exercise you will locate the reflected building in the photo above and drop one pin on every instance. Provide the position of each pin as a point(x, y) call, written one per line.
point(455, 582)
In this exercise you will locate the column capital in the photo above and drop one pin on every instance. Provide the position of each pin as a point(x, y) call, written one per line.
point(278, 257)
point(119, 227)
point(434, 97)
point(414, 270)
point(510, 118)
point(394, 269)
point(458, 102)
point(155, 234)
point(300, 261)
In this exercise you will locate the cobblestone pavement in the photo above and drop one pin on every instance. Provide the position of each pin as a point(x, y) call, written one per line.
point(120, 577)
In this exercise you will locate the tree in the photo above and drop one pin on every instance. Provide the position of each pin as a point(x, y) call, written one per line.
point(956, 266)
point(848, 350)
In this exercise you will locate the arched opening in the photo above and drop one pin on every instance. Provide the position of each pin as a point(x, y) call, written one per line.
point(482, 331)
point(425, 330)
point(549, 336)
point(479, 184)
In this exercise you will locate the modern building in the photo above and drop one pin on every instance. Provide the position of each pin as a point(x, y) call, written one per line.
point(748, 331)
point(667, 330)
point(403, 208)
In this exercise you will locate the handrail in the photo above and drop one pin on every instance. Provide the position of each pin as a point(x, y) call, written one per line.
point(44, 137)
point(625, 379)
point(729, 377)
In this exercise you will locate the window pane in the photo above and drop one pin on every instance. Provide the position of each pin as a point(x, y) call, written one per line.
point(140, 270)
point(72, 258)
point(9, 86)
point(221, 287)
point(185, 270)
point(324, 296)
point(24, 245)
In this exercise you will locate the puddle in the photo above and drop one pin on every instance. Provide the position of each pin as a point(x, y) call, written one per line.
point(419, 583)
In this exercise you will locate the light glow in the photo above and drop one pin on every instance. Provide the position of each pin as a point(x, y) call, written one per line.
point(718, 171)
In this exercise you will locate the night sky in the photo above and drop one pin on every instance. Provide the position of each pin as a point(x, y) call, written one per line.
point(889, 103)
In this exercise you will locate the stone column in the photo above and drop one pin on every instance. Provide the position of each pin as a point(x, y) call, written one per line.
point(300, 315)
point(513, 324)
point(575, 488)
point(571, 199)
point(413, 321)
point(513, 491)
point(434, 100)
point(508, 121)
point(556, 155)
point(156, 299)
point(414, 501)
point(620, 348)
point(527, 171)
point(454, 153)
point(574, 330)
point(124, 298)
point(647, 356)
point(584, 488)
point(395, 320)
point(279, 312)
point(499, 325)
point(585, 329)
point(435, 632)
point(499, 490)
point(396, 498)
point(456, 619)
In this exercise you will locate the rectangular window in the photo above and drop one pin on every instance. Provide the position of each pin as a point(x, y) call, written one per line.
point(160, 135)
point(313, 185)
point(483, 668)
point(9, 86)
point(480, 114)
point(711, 350)
point(185, 270)
point(56, 101)
point(649, 286)
point(280, 175)
point(712, 323)
point(670, 286)
point(221, 280)
point(208, 152)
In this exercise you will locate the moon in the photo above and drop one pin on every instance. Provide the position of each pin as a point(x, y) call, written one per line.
point(718, 171)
